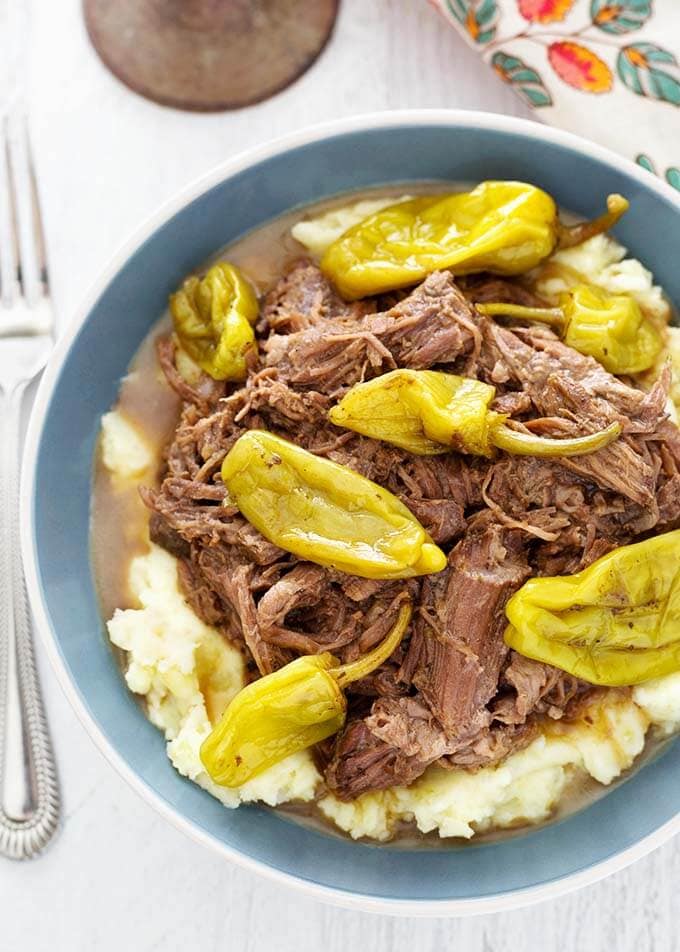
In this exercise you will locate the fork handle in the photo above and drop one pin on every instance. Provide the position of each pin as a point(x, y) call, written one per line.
point(29, 789)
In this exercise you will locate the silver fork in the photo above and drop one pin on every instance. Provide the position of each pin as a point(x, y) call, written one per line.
point(29, 789)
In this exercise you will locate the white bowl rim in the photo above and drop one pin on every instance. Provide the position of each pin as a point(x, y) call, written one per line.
point(366, 121)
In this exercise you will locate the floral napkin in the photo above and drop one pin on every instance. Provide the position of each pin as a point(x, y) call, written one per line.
point(605, 69)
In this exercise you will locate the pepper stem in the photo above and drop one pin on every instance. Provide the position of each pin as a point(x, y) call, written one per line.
point(526, 444)
point(554, 316)
point(570, 235)
point(369, 662)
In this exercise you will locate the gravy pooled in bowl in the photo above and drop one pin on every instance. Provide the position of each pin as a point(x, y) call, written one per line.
point(304, 639)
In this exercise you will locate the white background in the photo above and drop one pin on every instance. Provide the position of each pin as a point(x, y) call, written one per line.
point(119, 877)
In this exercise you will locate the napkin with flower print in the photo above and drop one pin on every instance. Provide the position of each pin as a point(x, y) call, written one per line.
point(606, 69)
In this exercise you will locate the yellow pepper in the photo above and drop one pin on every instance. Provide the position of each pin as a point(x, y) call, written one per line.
point(325, 512)
point(427, 412)
point(609, 327)
point(615, 623)
point(568, 236)
point(213, 318)
point(288, 711)
point(503, 227)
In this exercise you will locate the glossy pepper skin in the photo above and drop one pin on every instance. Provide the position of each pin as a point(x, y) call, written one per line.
point(609, 327)
point(213, 318)
point(324, 512)
point(289, 710)
point(503, 227)
point(615, 623)
point(427, 412)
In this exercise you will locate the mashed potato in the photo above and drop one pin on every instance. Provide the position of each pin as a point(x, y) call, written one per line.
point(188, 673)
point(316, 234)
point(125, 452)
point(602, 261)
point(660, 699)
point(524, 788)
point(674, 356)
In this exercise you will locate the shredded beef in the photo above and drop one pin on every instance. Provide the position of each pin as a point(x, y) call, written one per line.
point(208, 522)
point(307, 611)
point(487, 288)
point(163, 534)
point(444, 519)
point(454, 663)
point(304, 298)
point(457, 649)
point(400, 739)
point(452, 694)
point(202, 597)
point(203, 394)
point(362, 762)
point(534, 687)
point(232, 580)
point(433, 326)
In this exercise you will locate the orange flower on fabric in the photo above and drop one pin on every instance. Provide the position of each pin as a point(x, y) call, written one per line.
point(544, 11)
point(580, 67)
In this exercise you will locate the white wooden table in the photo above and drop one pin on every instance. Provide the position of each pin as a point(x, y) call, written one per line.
point(120, 878)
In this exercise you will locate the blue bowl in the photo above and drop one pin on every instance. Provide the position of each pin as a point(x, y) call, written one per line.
point(81, 383)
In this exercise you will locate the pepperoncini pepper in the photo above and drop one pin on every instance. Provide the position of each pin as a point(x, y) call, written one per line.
point(615, 623)
point(609, 327)
point(427, 412)
point(325, 512)
point(213, 318)
point(503, 227)
point(288, 711)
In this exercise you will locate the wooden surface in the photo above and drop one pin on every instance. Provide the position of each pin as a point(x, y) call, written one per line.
point(119, 877)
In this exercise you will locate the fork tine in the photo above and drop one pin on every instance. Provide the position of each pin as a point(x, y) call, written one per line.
point(38, 229)
point(28, 234)
point(8, 251)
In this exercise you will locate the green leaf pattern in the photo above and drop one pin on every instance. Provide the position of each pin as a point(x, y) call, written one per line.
point(526, 81)
point(620, 16)
point(645, 162)
point(649, 70)
point(673, 177)
point(672, 174)
point(644, 68)
point(479, 17)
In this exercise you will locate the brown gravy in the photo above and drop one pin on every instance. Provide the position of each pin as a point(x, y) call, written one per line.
point(119, 519)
